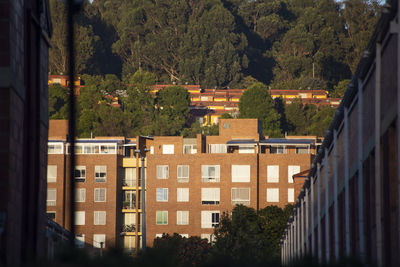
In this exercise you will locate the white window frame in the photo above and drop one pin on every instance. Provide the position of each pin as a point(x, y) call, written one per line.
point(279, 150)
point(51, 173)
point(272, 170)
point(273, 195)
point(51, 197)
point(246, 149)
point(182, 217)
point(236, 198)
point(192, 150)
point(99, 170)
point(182, 194)
point(168, 149)
point(97, 239)
point(99, 217)
point(302, 147)
point(239, 178)
point(205, 174)
point(210, 196)
point(162, 194)
point(82, 172)
point(80, 217)
point(164, 215)
point(180, 173)
point(80, 194)
point(292, 170)
point(162, 171)
point(80, 240)
point(55, 148)
point(209, 218)
point(291, 195)
point(217, 148)
point(97, 194)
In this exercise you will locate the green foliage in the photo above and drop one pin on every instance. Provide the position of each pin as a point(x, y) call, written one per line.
point(226, 116)
point(249, 238)
point(321, 121)
point(256, 102)
point(58, 102)
point(298, 117)
point(172, 110)
point(340, 88)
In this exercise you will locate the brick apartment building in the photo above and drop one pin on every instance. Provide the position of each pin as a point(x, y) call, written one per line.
point(190, 182)
point(25, 29)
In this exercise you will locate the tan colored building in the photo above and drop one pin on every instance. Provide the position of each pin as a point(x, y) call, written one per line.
point(190, 182)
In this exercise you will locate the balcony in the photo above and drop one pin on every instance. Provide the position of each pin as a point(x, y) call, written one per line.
point(130, 182)
point(130, 205)
point(126, 228)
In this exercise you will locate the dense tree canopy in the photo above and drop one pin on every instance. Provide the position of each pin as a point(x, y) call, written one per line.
point(219, 43)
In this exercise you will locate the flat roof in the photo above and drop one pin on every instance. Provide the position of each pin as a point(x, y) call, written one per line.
point(287, 141)
point(241, 142)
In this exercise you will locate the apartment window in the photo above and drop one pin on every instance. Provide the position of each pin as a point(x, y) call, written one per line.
point(80, 195)
point(51, 173)
point(99, 218)
point(51, 215)
point(129, 199)
point(227, 125)
point(302, 150)
point(246, 150)
point(183, 173)
point(182, 194)
point(168, 149)
point(159, 235)
point(217, 148)
point(290, 195)
point(100, 173)
point(99, 240)
point(80, 241)
point(162, 194)
point(108, 149)
point(209, 219)
point(241, 196)
point(210, 237)
point(130, 177)
point(79, 218)
point(272, 194)
point(240, 173)
point(99, 195)
point(210, 196)
point(182, 217)
point(162, 217)
point(277, 150)
point(80, 173)
point(210, 173)
point(54, 148)
point(189, 149)
point(273, 173)
point(292, 169)
point(51, 197)
point(162, 171)
point(152, 150)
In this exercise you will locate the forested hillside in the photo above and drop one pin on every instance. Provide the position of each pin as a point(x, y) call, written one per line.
point(219, 43)
point(128, 45)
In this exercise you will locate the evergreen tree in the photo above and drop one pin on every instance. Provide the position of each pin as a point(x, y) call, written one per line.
point(256, 102)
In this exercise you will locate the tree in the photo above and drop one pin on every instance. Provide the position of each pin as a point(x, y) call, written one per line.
point(172, 110)
point(321, 120)
point(58, 102)
point(256, 102)
point(340, 88)
point(249, 238)
point(85, 41)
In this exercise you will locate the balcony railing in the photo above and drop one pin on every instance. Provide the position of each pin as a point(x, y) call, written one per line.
point(128, 228)
point(130, 182)
point(130, 205)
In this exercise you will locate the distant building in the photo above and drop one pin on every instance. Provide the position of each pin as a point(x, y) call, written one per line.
point(63, 80)
point(190, 182)
point(25, 30)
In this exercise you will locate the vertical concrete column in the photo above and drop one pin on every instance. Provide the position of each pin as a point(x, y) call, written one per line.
point(312, 216)
point(298, 230)
point(295, 234)
point(346, 180)
point(319, 211)
point(378, 190)
point(307, 220)
point(335, 196)
point(327, 240)
point(303, 229)
point(360, 181)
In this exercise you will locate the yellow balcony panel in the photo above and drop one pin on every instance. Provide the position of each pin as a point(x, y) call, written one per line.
point(128, 162)
point(320, 96)
point(131, 188)
point(132, 233)
point(131, 210)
